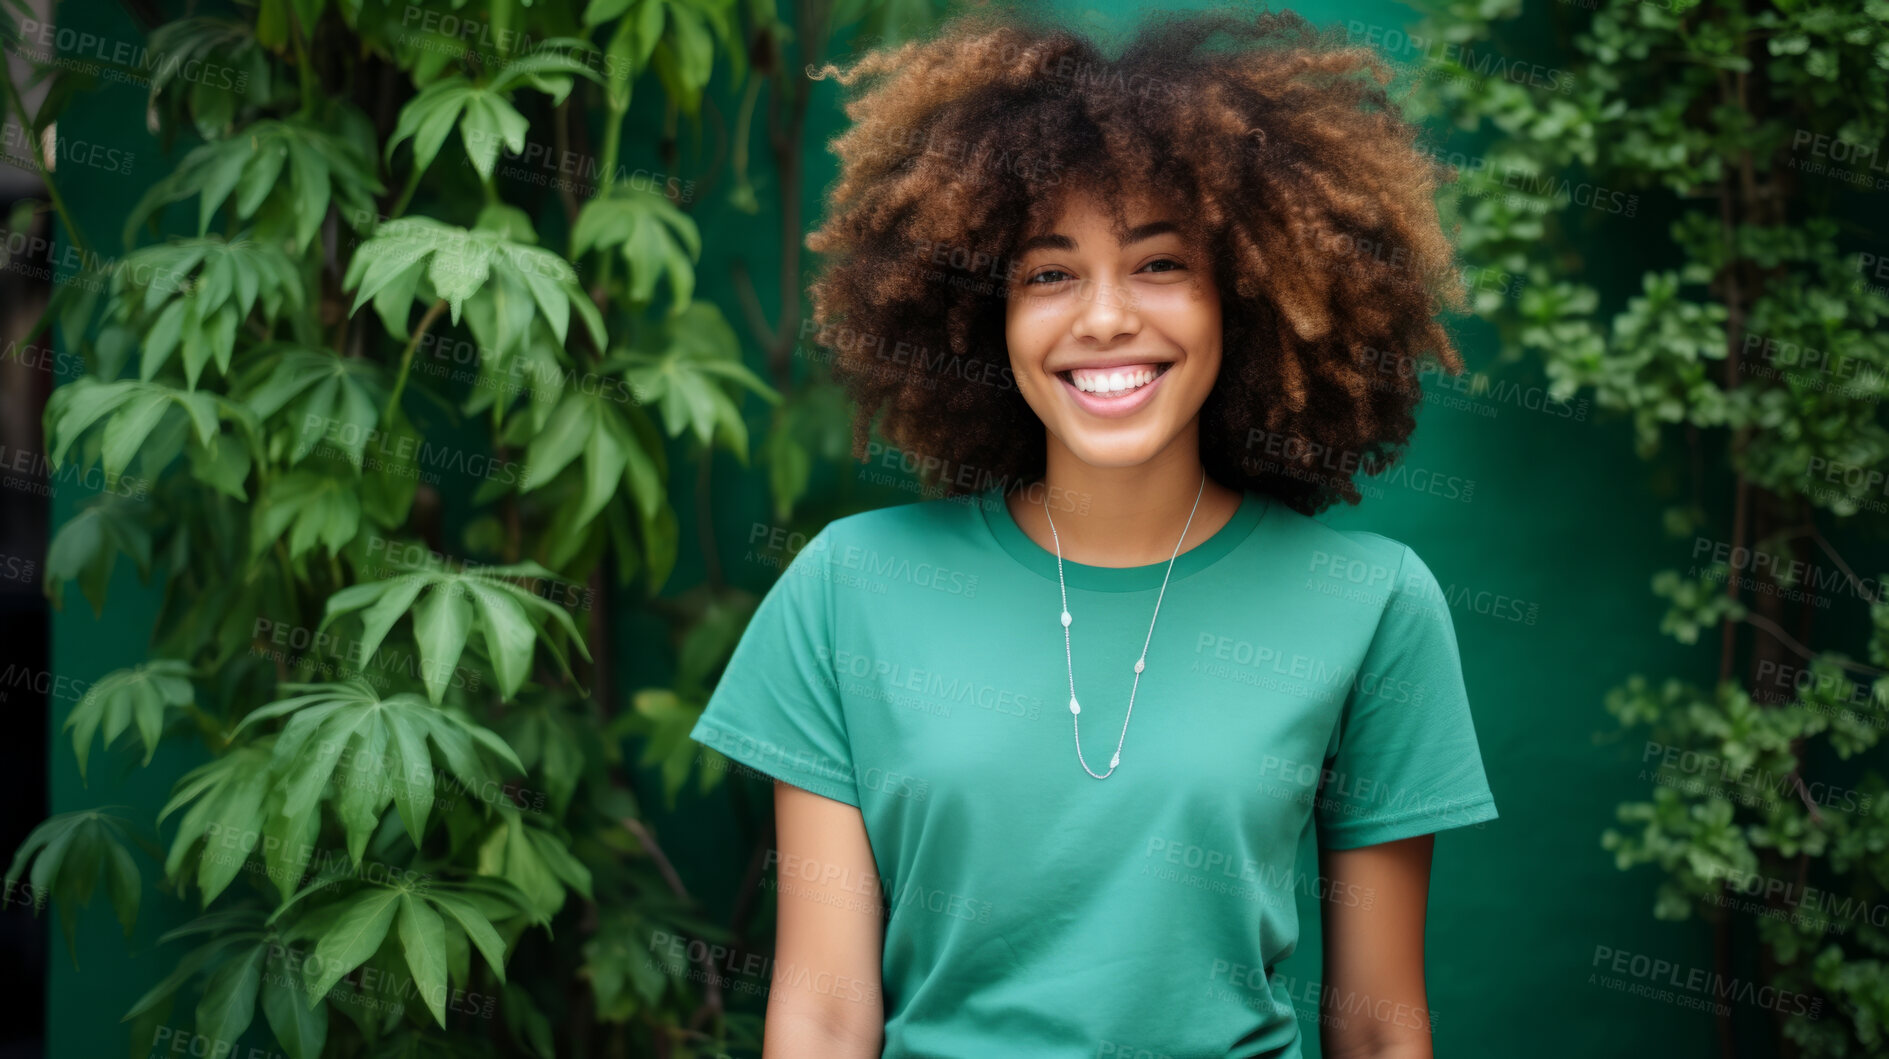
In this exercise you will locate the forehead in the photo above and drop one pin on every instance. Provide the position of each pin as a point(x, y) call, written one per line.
point(1141, 216)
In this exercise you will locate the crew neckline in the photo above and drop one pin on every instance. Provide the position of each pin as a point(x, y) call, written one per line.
point(1002, 526)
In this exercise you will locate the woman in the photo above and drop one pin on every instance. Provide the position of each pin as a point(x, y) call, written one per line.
point(1139, 319)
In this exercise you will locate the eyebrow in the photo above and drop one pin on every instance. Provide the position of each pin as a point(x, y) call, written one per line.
point(1057, 241)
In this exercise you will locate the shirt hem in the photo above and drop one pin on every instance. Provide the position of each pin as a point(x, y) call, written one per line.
point(1375, 832)
point(818, 783)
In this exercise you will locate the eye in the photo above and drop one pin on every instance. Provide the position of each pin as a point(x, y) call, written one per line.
point(1165, 261)
point(1038, 278)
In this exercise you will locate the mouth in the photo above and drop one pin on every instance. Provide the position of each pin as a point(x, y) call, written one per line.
point(1113, 391)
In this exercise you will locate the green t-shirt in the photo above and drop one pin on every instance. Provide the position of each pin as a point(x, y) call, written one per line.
point(910, 662)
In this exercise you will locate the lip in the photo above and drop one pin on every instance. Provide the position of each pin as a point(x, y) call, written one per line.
point(1113, 407)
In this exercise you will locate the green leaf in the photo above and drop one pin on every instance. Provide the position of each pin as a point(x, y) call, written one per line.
point(229, 997)
point(356, 933)
point(477, 926)
point(323, 167)
point(142, 694)
point(441, 625)
point(301, 1030)
point(655, 239)
point(423, 937)
point(384, 739)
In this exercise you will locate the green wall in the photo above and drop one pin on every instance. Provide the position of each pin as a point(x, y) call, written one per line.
point(1562, 517)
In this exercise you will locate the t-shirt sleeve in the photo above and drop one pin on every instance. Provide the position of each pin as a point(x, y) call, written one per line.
point(1404, 759)
point(777, 706)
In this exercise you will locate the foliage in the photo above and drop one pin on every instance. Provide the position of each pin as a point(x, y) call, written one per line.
point(1755, 332)
point(388, 586)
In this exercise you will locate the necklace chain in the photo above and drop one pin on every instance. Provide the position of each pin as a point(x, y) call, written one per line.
point(1075, 708)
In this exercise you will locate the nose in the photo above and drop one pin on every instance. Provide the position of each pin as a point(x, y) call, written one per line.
point(1104, 311)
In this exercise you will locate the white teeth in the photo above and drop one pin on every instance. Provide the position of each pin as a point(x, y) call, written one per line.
point(1112, 382)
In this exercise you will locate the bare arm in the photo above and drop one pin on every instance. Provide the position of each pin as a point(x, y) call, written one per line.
point(1372, 1005)
point(825, 1001)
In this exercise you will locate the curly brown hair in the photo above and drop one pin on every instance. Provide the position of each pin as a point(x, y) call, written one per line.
point(960, 146)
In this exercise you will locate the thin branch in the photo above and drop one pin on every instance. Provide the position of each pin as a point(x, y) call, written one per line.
point(406, 357)
point(1785, 638)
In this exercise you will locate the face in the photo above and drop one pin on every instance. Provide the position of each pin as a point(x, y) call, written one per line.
point(1114, 345)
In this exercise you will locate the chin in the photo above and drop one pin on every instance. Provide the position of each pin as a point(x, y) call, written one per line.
point(1113, 452)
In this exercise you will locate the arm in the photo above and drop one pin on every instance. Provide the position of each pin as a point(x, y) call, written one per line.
point(1372, 1004)
point(825, 1000)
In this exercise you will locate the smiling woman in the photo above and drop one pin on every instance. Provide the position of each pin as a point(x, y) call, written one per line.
point(1260, 159)
point(1165, 247)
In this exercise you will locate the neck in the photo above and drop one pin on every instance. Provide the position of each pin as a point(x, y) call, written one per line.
point(1123, 516)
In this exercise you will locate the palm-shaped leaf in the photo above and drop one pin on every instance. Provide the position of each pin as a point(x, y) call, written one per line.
point(483, 114)
point(510, 618)
point(131, 412)
point(655, 239)
point(430, 921)
point(320, 397)
point(68, 853)
point(418, 257)
point(385, 742)
point(227, 46)
point(142, 693)
point(189, 296)
point(87, 547)
point(283, 175)
point(228, 814)
point(533, 859)
point(695, 377)
point(312, 507)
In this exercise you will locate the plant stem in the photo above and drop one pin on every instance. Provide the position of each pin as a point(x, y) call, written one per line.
point(406, 357)
point(305, 75)
point(612, 142)
point(58, 201)
point(406, 193)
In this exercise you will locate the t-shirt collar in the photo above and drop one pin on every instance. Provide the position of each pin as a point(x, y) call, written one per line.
point(997, 520)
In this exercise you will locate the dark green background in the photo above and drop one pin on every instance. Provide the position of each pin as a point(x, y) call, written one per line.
point(1562, 516)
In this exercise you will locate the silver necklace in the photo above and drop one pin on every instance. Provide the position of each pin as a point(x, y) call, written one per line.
point(1075, 708)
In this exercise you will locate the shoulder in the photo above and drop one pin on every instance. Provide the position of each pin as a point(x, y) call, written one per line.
point(1364, 557)
point(919, 522)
